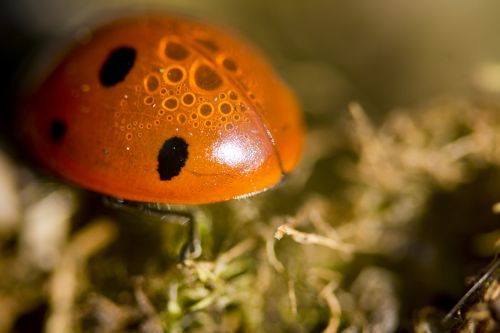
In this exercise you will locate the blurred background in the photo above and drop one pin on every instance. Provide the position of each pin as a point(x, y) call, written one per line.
point(413, 235)
point(385, 54)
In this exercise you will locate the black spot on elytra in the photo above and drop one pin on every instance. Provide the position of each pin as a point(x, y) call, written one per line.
point(172, 157)
point(116, 67)
point(57, 131)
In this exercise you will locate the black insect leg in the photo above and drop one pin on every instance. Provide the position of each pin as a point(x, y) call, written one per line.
point(192, 248)
point(176, 214)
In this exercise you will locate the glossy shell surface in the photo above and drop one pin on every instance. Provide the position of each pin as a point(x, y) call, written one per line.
point(165, 109)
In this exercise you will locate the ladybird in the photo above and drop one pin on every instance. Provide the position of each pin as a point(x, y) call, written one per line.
point(165, 109)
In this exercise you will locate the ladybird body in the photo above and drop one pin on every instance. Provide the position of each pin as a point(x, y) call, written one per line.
point(164, 109)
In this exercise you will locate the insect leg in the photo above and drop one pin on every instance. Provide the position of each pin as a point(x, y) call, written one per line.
point(177, 214)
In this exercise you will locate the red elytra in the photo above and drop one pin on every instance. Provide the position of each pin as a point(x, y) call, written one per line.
point(165, 109)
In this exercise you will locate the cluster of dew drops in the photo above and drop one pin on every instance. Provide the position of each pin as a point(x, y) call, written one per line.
point(166, 95)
